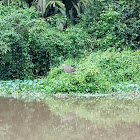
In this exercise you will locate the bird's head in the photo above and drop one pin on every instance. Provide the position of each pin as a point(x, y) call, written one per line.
point(63, 65)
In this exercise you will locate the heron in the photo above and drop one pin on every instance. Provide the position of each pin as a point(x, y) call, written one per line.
point(68, 69)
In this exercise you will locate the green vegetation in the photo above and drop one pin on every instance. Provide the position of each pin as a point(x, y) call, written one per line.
point(113, 23)
point(29, 46)
point(103, 46)
point(100, 72)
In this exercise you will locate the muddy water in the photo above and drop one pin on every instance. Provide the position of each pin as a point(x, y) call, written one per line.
point(70, 119)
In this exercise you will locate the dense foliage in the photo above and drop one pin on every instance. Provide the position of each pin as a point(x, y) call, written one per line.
point(100, 72)
point(113, 23)
point(29, 46)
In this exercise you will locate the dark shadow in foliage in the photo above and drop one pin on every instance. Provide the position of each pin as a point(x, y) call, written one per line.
point(70, 10)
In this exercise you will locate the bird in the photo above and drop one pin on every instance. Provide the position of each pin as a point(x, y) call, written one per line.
point(68, 69)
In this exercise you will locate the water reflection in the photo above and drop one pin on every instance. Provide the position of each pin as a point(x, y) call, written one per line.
point(70, 119)
point(69, 116)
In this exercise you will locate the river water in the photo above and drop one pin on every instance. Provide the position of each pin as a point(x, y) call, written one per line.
point(92, 118)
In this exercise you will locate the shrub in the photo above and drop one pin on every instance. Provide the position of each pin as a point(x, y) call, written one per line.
point(29, 46)
point(14, 59)
point(62, 45)
point(99, 72)
point(113, 24)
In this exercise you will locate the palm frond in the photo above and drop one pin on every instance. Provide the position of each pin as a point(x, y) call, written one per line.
point(54, 3)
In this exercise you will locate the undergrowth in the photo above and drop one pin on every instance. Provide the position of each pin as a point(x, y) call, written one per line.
point(100, 72)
